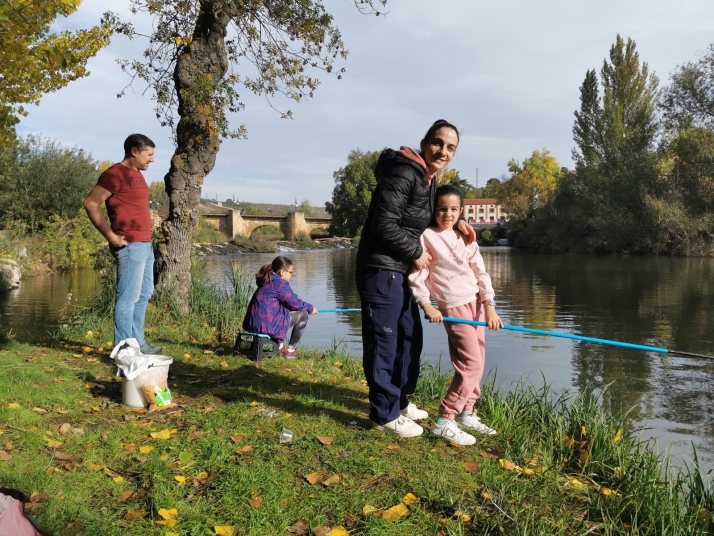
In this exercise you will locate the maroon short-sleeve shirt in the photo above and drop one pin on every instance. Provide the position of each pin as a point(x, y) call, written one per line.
point(128, 206)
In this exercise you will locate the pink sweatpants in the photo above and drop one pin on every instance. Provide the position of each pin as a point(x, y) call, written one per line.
point(467, 347)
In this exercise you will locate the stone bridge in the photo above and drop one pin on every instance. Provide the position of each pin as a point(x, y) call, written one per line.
point(232, 223)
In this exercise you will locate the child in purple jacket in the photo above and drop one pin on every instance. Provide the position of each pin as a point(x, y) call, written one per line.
point(275, 308)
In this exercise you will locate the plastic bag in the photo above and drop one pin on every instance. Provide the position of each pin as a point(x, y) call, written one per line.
point(155, 385)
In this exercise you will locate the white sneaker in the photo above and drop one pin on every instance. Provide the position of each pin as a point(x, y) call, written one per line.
point(452, 433)
point(472, 422)
point(402, 426)
point(414, 413)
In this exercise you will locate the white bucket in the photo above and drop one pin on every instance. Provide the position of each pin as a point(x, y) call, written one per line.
point(132, 393)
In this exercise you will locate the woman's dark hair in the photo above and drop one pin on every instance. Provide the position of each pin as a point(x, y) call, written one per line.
point(136, 141)
point(445, 189)
point(279, 263)
point(437, 125)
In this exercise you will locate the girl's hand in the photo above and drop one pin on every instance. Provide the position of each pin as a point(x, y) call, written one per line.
point(314, 311)
point(433, 314)
point(492, 319)
point(466, 230)
point(423, 261)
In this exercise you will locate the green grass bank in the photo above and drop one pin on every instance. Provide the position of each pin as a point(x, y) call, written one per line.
point(213, 463)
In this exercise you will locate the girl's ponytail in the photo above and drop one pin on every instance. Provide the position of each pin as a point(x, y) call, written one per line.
point(279, 263)
point(263, 275)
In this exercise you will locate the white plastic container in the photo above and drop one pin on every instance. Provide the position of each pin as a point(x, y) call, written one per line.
point(133, 390)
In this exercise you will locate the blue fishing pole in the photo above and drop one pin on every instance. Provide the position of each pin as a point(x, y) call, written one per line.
point(554, 334)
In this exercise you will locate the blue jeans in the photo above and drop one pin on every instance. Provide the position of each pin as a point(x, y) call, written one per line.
point(392, 341)
point(135, 284)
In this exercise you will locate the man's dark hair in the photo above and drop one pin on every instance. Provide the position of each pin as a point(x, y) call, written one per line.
point(137, 141)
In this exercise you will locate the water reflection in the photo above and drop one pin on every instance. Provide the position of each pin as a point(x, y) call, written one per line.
point(33, 311)
point(667, 302)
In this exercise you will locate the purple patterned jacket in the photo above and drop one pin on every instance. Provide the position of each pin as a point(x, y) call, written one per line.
point(269, 308)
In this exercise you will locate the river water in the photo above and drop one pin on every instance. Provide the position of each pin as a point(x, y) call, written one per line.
point(665, 302)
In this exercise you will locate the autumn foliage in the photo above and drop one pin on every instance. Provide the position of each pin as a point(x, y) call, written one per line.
point(34, 60)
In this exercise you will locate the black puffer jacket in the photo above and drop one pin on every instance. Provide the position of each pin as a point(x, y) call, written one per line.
point(400, 210)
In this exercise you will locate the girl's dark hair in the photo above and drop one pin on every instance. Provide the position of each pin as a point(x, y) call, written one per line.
point(445, 189)
point(279, 263)
point(437, 125)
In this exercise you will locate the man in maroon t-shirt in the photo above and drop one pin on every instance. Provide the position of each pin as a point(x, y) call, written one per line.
point(124, 191)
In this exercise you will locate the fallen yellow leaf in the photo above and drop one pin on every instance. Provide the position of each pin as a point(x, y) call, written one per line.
point(395, 513)
point(224, 364)
point(76, 355)
point(618, 435)
point(584, 431)
point(146, 449)
point(52, 443)
point(575, 482)
point(225, 531)
point(338, 531)
point(118, 479)
point(254, 403)
point(312, 477)
point(607, 492)
point(87, 349)
point(508, 466)
point(245, 450)
point(90, 334)
point(39, 410)
point(486, 495)
point(168, 514)
point(163, 434)
point(255, 502)
point(410, 498)
point(325, 440)
point(334, 479)
point(13, 405)
point(168, 522)
point(180, 479)
point(369, 509)
point(95, 467)
point(237, 438)
point(393, 446)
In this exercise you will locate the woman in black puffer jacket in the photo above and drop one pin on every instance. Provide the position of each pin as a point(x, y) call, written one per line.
point(401, 208)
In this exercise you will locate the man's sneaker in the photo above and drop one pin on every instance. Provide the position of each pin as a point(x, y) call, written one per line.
point(472, 422)
point(146, 348)
point(414, 413)
point(452, 433)
point(289, 353)
point(401, 426)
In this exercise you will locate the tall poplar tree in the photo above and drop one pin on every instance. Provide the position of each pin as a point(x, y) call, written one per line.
point(623, 123)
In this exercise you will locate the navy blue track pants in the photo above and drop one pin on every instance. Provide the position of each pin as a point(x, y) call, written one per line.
point(392, 341)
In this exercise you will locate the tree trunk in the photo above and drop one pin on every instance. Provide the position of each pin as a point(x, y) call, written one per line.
point(200, 67)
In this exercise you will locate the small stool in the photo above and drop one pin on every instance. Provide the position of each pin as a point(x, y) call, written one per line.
point(252, 345)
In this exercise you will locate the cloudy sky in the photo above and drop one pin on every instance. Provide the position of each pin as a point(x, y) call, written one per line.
point(506, 73)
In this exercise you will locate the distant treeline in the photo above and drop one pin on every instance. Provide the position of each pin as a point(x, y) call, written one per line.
point(644, 176)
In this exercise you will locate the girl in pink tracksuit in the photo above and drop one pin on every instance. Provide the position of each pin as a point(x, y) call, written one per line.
point(457, 279)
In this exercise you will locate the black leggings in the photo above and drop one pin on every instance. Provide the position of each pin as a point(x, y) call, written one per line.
point(298, 321)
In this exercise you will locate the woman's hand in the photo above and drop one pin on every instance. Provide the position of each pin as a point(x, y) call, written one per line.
point(423, 261)
point(433, 314)
point(492, 319)
point(314, 311)
point(466, 230)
